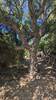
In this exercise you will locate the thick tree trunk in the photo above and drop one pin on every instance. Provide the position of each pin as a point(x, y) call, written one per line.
point(33, 58)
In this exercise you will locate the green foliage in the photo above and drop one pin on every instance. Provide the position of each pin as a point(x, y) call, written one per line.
point(8, 53)
point(48, 43)
point(26, 54)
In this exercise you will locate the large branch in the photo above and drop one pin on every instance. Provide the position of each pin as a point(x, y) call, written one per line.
point(32, 15)
point(41, 11)
point(6, 20)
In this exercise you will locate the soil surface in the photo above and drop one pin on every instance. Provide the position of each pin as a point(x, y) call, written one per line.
point(16, 84)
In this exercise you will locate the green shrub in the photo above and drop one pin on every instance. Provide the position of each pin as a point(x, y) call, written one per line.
point(48, 43)
point(8, 53)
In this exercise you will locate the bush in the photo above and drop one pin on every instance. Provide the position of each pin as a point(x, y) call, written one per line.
point(48, 43)
point(8, 53)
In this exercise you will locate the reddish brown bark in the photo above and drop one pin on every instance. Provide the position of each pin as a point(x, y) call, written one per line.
point(36, 33)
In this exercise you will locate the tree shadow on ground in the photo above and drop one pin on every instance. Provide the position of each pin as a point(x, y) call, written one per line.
point(10, 83)
point(46, 67)
point(9, 74)
point(14, 84)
